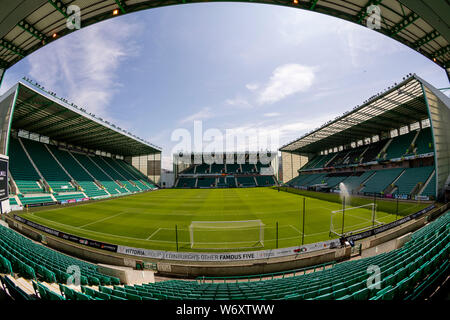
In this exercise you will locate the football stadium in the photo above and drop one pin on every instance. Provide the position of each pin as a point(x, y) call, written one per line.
point(356, 209)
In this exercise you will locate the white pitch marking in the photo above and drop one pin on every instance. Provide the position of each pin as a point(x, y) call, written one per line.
point(96, 221)
point(156, 231)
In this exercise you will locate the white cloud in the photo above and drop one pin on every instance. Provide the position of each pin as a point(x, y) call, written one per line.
point(271, 114)
point(203, 114)
point(364, 46)
point(286, 80)
point(82, 67)
point(252, 86)
point(238, 102)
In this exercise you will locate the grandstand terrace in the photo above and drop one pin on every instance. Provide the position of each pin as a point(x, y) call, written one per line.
point(59, 153)
point(228, 170)
point(394, 145)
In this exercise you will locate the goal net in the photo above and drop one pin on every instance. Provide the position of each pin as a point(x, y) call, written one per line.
point(226, 234)
point(352, 220)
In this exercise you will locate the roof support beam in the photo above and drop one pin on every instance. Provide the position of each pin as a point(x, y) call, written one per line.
point(343, 129)
point(81, 131)
point(426, 38)
point(441, 52)
point(121, 5)
point(60, 6)
point(24, 102)
point(75, 126)
point(371, 117)
point(39, 121)
point(31, 29)
point(59, 124)
point(313, 4)
point(26, 115)
point(11, 47)
point(407, 20)
point(93, 137)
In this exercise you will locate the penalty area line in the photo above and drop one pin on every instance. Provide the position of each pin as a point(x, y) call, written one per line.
point(155, 232)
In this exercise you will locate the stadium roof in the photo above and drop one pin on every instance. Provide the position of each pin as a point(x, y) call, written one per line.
point(400, 105)
point(43, 113)
point(26, 26)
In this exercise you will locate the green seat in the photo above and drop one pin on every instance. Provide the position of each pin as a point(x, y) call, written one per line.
point(362, 294)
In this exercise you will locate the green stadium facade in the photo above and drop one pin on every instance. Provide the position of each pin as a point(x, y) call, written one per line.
point(397, 144)
point(59, 153)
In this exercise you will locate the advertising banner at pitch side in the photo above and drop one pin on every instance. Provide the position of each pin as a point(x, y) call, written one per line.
point(227, 256)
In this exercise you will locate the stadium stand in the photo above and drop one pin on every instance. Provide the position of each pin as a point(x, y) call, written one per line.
point(52, 172)
point(424, 142)
point(381, 180)
point(22, 171)
point(34, 261)
point(373, 151)
point(125, 173)
point(412, 178)
point(190, 169)
point(227, 175)
point(137, 174)
point(248, 168)
point(95, 171)
point(69, 175)
point(203, 168)
point(12, 201)
point(346, 157)
point(264, 181)
point(33, 199)
point(244, 181)
point(399, 146)
point(323, 160)
point(206, 182)
point(430, 188)
point(353, 183)
point(71, 196)
point(333, 179)
point(217, 168)
point(186, 182)
point(124, 184)
point(233, 167)
point(82, 177)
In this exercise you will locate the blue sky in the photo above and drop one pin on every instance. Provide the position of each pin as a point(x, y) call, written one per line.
point(232, 65)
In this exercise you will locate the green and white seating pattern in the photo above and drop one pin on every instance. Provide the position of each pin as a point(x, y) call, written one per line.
point(52, 172)
point(411, 177)
point(22, 170)
point(400, 145)
point(34, 261)
point(63, 173)
point(381, 180)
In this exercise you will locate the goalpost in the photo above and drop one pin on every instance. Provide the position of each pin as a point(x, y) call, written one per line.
point(226, 234)
point(362, 218)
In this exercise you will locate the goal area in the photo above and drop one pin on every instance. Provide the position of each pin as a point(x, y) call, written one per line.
point(353, 220)
point(217, 235)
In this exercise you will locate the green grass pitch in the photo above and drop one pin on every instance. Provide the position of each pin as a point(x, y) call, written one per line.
point(148, 220)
